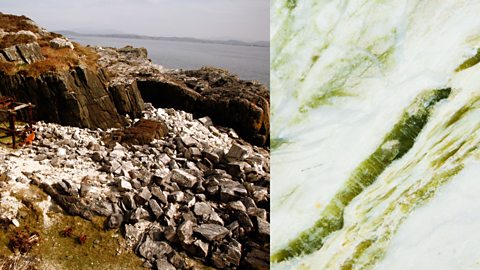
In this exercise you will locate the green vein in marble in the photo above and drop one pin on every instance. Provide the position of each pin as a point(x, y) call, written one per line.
point(360, 249)
point(395, 144)
point(365, 257)
point(291, 4)
point(275, 143)
point(323, 98)
point(470, 62)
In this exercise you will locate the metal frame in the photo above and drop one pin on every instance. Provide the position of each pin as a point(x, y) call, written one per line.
point(11, 108)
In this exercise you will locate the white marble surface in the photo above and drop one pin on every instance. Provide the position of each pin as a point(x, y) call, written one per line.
point(369, 60)
point(443, 234)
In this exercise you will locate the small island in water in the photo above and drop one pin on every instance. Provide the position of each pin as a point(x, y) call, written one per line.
point(128, 164)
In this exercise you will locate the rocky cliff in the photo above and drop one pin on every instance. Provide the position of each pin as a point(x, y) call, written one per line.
point(97, 87)
point(61, 78)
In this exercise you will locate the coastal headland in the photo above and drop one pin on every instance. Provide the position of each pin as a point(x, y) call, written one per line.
point(133, 165)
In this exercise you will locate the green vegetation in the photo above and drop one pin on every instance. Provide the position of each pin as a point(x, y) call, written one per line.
point(54, 249)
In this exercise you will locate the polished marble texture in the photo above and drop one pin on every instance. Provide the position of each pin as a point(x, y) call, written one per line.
point(375, 130)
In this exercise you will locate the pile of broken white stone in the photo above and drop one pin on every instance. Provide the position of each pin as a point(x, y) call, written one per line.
point(199, 192)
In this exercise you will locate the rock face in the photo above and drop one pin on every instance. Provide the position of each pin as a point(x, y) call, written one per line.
point(229, 101)
point(115, 82)
point(42, 68)
point(77, 97)
point(22, 53)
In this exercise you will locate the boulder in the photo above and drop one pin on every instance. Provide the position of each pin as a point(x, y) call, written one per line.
point(163, 264)
point(144, 131)
point(150, 249)
point(30, 52)
point(227, 255)
point(59, 43)
point(183, 178)
point(212, 232)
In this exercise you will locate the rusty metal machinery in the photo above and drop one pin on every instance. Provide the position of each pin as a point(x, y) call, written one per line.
point(11, 112)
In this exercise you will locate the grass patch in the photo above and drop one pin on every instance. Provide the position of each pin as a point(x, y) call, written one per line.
point(14, 39)
point(55, 59)
point(13, 23)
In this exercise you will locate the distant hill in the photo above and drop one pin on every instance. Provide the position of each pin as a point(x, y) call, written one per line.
point(181, 39)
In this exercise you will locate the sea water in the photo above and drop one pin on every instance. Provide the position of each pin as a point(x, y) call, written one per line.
point(248, 62)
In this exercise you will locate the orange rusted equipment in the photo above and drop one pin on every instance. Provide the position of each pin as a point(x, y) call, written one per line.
point(10, 112)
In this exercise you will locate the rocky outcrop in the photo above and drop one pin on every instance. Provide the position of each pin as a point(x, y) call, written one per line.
point(229, 101)
point(97, 88)
point(22, 53)
point(213, 92)
point(77, 97)
point(48, 71)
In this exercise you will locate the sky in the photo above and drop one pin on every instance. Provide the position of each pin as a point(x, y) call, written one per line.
point(246, 20)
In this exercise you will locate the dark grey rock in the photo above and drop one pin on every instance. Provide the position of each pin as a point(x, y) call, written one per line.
point(170, 234)
point(104, 168)
point(151, 249)
point(193, 152)
point(257, 259)
point(188, 141)
point(237, 206)
point(128, 201)
point(97, 157)
point(102, 208)
point(263, 228)
point(143, 196)
point(40, 157)
point(228, 255)
point(114, 221)
point(257, 212)
point(65, 188)
point(237, 152)
point(183, 178)
point(185, 231)
point(198, 248)
point(177, 196)
point(214, 218)
point(231, 191)
point(212, 156)
point(212, 232)
point(159, 195)
point(163, 264)
point(202, 209)
point(178, 261)
point(138, 215)
point(155, 207)
point(245, 221)
point(236, 169)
